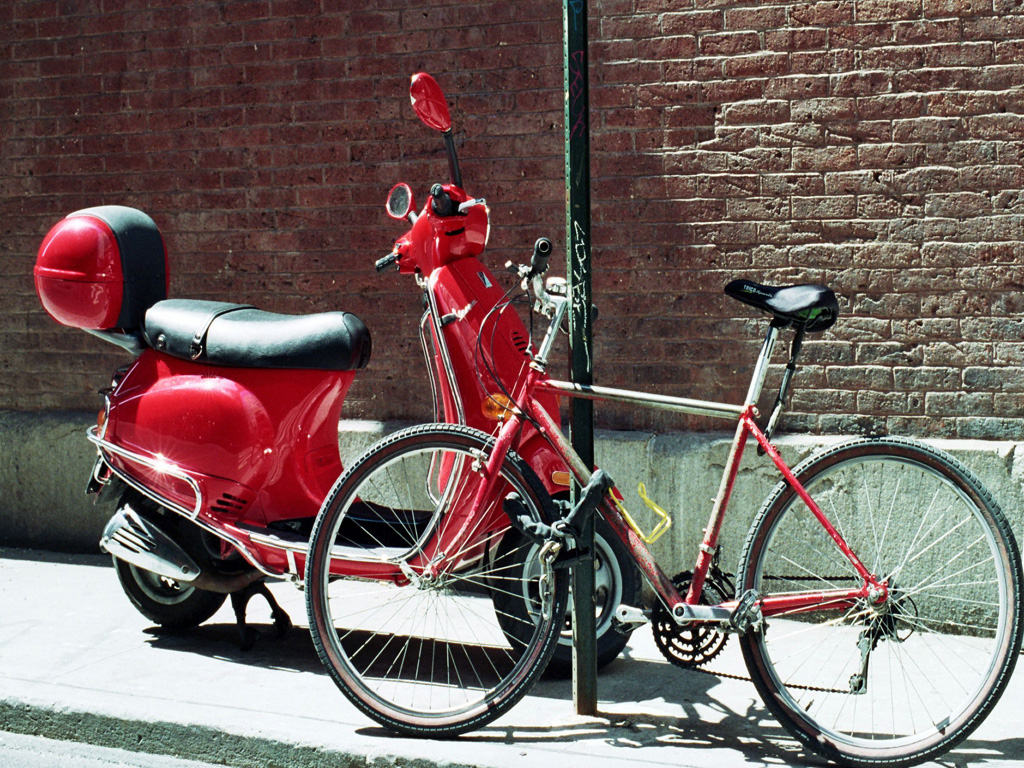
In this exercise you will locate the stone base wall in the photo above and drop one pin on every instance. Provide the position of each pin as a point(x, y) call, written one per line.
point(45, 462)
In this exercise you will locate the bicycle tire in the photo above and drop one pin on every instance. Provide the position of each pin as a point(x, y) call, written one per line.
point(900, 683)
point(425, 659)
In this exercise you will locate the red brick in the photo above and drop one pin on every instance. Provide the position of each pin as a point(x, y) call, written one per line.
point(888, 10)
point(875, 146)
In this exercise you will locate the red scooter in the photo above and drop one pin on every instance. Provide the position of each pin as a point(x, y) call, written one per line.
point(467, 304)
point(218, 442)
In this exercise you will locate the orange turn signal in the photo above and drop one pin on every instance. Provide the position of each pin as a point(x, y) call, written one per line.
point(496, 406)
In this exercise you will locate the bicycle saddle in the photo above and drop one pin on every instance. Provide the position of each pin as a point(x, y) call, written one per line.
point(812, 306)
point(245, 337)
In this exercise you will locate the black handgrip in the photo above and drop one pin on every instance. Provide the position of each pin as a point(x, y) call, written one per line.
point(387, 261)
point(539, 260)
point(441, 201)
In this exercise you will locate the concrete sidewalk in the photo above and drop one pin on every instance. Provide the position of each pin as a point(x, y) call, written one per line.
point(78, 663)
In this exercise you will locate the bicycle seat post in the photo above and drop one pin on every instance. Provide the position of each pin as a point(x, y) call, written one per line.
point(761, 367)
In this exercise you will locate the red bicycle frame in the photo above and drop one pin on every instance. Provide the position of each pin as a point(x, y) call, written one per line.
point(685, 608)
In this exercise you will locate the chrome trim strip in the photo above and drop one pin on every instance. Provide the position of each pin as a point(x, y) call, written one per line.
point(273, 541)
point(254, 561)
point(166, 468)
point(660, 402)
point(435, 393)
point(443, 349)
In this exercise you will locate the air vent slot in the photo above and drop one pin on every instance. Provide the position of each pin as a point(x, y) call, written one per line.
point(229, 505)
point(520, 342)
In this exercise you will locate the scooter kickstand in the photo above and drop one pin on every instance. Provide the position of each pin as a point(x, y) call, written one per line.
point(239, 602)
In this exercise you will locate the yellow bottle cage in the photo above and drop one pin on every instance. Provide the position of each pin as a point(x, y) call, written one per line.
point(664, 521)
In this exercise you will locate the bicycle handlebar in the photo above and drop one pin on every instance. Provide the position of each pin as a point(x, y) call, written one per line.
point(539, 260)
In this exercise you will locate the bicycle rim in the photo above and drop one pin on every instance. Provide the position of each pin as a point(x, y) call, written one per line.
point(428, 655)
point(898, 683)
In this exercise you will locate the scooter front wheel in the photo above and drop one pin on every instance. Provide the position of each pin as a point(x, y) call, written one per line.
point(616, 582)
point(426, 651)
point(165, 601)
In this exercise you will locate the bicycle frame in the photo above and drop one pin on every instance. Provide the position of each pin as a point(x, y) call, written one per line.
point(482, 512)
point(686, 608)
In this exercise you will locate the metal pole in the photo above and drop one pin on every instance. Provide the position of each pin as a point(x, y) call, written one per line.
point(581, 414)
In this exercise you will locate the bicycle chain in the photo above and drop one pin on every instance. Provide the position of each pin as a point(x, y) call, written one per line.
point(724, 581)
point(746, 679)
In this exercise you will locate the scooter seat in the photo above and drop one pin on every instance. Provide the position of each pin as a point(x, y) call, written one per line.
point(245, 337)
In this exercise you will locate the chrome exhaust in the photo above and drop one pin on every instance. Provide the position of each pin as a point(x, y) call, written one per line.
point(135, 540)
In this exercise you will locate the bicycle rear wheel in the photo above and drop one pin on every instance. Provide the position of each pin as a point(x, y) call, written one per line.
point(898, 683)
point(429, 654)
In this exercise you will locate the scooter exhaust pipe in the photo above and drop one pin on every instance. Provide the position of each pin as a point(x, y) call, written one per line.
point(130, 537)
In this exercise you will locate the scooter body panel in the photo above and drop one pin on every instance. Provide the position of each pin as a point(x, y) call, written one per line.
point(465, 292)
point(261, 444)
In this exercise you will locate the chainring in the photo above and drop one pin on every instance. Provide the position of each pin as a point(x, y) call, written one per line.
point(691, 645)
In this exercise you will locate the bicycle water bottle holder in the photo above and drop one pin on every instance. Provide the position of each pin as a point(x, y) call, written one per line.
point(664, 519)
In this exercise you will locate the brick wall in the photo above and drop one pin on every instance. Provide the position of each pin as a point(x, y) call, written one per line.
point(872, 145)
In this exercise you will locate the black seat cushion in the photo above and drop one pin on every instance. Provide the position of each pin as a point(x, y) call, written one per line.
point(813, 306)
point(244, 337)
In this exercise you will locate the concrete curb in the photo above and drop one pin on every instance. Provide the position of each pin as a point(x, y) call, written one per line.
point(187, 741)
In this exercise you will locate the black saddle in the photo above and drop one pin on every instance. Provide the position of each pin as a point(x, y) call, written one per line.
point(812, 306)
point(245, 337)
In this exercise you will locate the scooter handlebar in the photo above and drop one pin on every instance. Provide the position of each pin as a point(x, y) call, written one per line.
point(387, 261)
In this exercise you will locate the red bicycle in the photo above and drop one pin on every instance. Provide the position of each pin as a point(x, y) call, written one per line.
point(878, 599)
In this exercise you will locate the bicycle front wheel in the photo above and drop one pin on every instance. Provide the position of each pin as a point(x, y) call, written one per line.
point(423, 650)
point(900, 682)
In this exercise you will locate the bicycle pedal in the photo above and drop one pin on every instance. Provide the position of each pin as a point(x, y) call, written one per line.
point(747, 615)
point(568, 558)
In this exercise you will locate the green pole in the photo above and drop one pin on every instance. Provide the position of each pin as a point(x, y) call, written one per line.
point(581, 413)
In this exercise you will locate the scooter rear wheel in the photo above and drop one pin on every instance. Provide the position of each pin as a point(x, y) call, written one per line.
point(164, 601)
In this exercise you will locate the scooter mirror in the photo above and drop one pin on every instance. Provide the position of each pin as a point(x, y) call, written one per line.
point(399, 201)
point(428, 102)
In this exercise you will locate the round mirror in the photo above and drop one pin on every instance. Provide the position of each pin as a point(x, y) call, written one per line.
point(428, 102)
point(399, 201)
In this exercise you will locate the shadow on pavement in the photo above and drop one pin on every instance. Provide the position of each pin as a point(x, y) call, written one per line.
point(96, 558)
point(751, 731)
point(293, 652)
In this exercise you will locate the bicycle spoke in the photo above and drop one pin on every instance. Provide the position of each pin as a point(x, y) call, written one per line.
point(438, 649)
point(903, 672)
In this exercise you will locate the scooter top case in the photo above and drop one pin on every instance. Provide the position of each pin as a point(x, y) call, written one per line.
point(102, 268)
